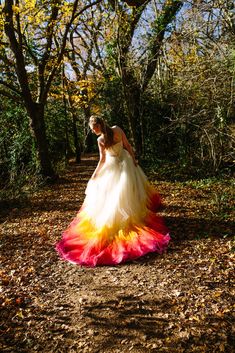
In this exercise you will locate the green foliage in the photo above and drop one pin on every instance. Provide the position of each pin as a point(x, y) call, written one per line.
point(111, 100)
point(18, 158)
point(20, 169)
point(195, 117)
point(17, 152)
point(56, 120)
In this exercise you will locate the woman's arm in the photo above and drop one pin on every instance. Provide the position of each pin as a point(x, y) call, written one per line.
point(102, 159)
point(128, 147)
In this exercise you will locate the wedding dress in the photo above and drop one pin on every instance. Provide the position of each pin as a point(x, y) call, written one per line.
point(117, 221)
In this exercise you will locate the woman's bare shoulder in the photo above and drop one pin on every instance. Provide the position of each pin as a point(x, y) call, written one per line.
point(117, 131)
point(100, 140)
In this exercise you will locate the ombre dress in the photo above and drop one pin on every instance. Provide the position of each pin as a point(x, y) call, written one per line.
point(117, 221)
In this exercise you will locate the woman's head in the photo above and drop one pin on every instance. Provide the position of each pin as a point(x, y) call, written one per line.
point(98, 126)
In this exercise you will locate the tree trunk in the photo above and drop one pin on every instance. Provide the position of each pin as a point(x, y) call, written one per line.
point(76, 141)
point(133, 103)
point(87, 132)
point(132, 87)
point(36, 113)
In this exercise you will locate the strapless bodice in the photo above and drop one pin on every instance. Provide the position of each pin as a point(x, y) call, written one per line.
point(115, 150)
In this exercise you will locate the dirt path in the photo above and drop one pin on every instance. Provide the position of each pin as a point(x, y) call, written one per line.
point(181, 301)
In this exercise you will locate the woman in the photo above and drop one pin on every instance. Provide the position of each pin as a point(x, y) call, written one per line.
point(117, 221)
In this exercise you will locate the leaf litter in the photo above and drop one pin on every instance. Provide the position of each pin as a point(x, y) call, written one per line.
point(181, 301)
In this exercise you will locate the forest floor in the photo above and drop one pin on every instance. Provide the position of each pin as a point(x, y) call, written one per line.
point(181, 301)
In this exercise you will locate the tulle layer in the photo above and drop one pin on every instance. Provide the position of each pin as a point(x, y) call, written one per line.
point(117, 221)
point(120, 191)
point(83, 244)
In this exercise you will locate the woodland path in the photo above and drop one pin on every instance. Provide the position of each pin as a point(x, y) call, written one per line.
point(182, 301)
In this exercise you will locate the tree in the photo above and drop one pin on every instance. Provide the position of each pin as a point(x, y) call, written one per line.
point(135, 81)
point(86, 53)
point(195, 83)
point(37, 35)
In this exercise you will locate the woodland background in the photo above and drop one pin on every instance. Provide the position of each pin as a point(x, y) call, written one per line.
point(163, 70)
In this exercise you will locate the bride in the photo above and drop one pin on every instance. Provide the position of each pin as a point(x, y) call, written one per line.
point(117, 221)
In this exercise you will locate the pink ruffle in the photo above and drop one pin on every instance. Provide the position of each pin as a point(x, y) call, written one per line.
point(152, 236)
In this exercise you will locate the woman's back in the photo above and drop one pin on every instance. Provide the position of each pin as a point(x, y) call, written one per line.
point(117, 134)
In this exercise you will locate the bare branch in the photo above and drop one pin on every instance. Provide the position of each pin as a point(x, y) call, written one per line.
point(12, 88)
point(17, 50)
point(11, 96)
point(63, 45)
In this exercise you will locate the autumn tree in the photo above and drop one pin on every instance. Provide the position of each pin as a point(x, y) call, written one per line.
point(194, 82)
point(135, 78)
point(82, 54)
point(34, 37)
point(88, 56)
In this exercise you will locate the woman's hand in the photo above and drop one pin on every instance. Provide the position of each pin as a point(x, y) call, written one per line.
point(101, 161)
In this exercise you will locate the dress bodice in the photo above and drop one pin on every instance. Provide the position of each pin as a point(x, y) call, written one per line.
point(115, 150)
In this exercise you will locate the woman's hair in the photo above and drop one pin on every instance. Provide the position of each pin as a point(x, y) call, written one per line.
point(106, 130)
